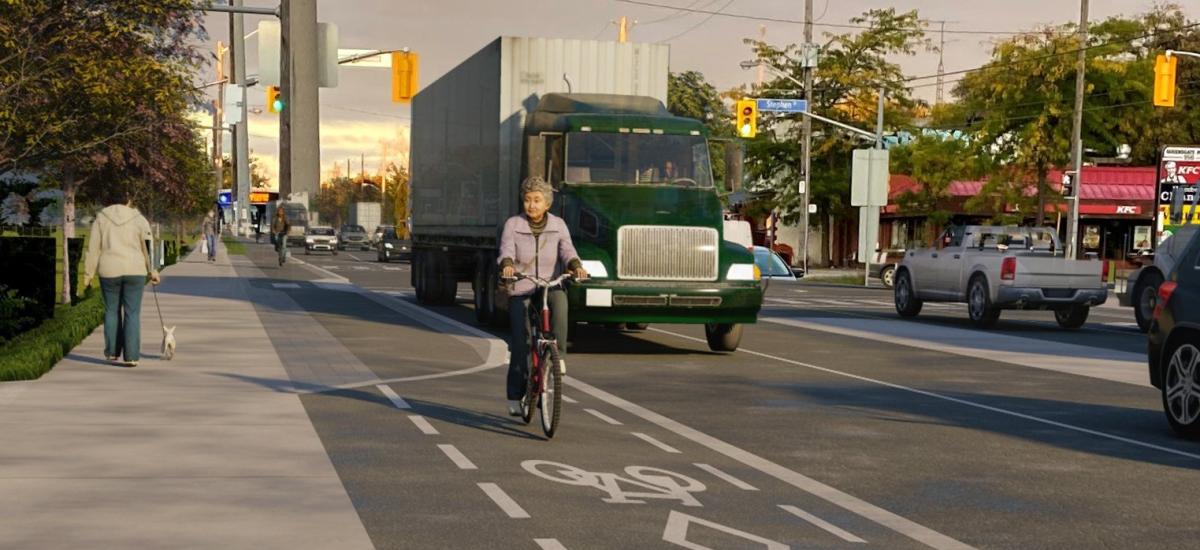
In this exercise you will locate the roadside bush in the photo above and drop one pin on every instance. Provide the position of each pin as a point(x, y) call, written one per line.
point(17, 314)
point(33, 353)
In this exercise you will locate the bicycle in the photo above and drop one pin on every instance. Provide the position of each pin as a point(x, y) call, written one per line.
point(543, 351)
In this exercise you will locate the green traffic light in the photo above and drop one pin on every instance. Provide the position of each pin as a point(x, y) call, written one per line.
point(277, 105)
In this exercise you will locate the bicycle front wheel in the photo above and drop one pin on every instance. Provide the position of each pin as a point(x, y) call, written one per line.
point(551, 390)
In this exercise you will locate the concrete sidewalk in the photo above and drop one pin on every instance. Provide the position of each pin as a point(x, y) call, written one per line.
point(192, 453)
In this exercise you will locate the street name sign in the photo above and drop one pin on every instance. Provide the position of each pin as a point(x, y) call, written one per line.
point(766, 105)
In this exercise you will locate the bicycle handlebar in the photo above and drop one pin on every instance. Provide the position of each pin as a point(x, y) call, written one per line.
point(541, 283)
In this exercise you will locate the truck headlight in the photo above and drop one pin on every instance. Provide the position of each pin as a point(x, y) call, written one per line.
point(595, 268)
point(743, 272)
point(387, 246)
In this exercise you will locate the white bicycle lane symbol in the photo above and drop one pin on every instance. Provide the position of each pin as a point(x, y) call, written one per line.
point(643, 482)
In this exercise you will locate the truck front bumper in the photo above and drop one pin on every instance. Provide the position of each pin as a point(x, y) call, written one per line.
point(607, 301)
point(1038, 298)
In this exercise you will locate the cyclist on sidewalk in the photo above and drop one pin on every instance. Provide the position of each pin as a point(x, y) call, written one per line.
point(536, 243)
point(280, 228)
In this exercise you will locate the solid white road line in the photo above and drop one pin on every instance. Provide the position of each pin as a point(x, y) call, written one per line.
point(603, 417)
point(285, 285)
point(899, 524)
point(505, 502)
point(835, 530)
point(728, 478)
point(392, 396)
point(423, 425)
point(955, 400)
point(569, 400)
point(663, 446)
point(549, 544)
point(457, 457)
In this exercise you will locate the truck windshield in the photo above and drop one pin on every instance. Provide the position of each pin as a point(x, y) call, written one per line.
point(641, 159)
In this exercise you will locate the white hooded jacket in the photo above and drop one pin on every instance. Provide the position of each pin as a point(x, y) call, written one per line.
point(116, 245)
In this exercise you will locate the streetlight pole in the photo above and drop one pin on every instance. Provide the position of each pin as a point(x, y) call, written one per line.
point(806, 146)
point(1077, 133)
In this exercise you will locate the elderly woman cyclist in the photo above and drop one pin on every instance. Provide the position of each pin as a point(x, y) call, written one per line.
point(535, 243)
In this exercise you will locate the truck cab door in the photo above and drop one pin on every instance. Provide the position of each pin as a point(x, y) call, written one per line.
point(944, 267)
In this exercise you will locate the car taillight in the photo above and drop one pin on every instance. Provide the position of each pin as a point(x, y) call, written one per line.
point(1104, 272)
point(1008, 269)
point(1165, 290)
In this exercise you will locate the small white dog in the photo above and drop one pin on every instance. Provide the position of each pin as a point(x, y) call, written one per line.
point(168, 343)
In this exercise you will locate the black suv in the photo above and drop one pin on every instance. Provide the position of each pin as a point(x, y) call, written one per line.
point(392, 246)
point(1174, 343)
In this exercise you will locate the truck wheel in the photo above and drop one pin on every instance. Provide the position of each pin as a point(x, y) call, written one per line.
point(907, 303)
point(636, 327)
point(1145, 298)
point(979, 304)
point(447, 286)
point(420, 280)
point(1072, 317)
point(1181, 400)
point(723, 336)
point(888, 276)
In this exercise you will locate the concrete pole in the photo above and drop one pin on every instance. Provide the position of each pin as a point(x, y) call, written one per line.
point(1077, 133)
point(623, 29)
point(219, 123)
point(806, 146)
point(300, 120)
point(241, 136)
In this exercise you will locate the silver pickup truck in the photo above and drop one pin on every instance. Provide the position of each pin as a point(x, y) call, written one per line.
point(997, 267)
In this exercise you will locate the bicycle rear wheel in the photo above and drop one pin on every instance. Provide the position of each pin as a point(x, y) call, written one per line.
point(529, 402)
point(551, 390)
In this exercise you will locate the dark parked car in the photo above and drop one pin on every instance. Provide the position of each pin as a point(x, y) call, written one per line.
point(1174, 343)
point(392, 246)
point(353, 235)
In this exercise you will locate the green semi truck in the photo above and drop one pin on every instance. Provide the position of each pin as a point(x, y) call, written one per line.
point(633, 183)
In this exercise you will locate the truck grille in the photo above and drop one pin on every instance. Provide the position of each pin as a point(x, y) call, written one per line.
point(667, 253)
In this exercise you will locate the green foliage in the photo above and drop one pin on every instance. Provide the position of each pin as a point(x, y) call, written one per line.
point(33, 353)
point(853, 68)
point(935, 162)
point(395, 204)
point(338, 194)
point(17, 314)
point(233, 246)
point(690, 95)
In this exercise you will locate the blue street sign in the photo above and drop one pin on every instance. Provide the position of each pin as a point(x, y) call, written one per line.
point(224, 198)
point(782, 105)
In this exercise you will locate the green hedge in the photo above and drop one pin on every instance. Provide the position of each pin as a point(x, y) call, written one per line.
point(35, 352)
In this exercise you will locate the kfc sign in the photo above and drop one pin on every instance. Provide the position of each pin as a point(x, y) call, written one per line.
point(1127, 209)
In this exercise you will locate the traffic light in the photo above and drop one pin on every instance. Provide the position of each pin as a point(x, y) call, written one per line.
point(274, 100)
point(1068, 183)
point(404, 76)
point(747, 118)
point(1164, 81)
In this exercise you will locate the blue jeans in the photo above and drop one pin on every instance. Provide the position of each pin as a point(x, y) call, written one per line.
point(122, 315)
point(212, 246)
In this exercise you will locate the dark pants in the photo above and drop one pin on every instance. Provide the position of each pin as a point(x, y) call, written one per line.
point(518, 344)
point(122, 315)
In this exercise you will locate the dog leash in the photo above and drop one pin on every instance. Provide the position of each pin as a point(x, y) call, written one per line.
point(154, 289)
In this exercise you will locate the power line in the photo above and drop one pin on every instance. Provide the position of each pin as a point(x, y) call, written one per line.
point(702, 22)
point(795, 21)
point(967, 125)
point(1055, 54)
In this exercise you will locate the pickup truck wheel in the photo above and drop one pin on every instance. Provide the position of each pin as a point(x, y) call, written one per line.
point(979, 304)
point(1145, 298)
point(907, 303)
point(1072, 317)
point(888, 276)
point(723, 336)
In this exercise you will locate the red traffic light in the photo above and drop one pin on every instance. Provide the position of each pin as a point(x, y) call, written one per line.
point(747, 111)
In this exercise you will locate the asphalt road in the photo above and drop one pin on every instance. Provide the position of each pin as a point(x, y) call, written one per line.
point(837, 425)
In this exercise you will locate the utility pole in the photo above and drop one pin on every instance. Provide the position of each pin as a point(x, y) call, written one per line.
point(219, 120)
point(762, 69)
point(241, 135)
point(941, 70)
point(299, 133)
point(806, 147)
point(1077, 133)
point(623, 29)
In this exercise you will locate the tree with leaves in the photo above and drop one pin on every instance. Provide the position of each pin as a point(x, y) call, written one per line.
point(395, 204)
point(934, 162)
point(690, 95)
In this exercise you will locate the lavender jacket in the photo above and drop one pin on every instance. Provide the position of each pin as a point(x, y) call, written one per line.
point(545, 256)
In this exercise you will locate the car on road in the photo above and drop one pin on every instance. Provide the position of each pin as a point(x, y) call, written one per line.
point(391, 246)
point(320, 238)
point(992, 268)
point(772, 266)
point(1174, 342)
point(353, 235)
point(884, 266)
point(378, 234)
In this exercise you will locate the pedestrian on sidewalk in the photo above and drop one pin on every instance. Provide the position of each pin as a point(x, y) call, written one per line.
point(280, 228)
point(209, 228)
point(117, 252)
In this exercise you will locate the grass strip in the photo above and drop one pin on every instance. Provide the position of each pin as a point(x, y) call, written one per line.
point(233, 246)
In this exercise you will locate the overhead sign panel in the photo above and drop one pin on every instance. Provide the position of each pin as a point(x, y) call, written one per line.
point(869, 178)
point(766, 105)
point(268, 52)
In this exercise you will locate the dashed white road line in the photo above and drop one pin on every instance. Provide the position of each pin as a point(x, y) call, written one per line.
point(726, 477)
point(457, 457)
point(423, 425)
point(569, 400)
point(392, 396)
point(662, 446)
point(549, 544)
point(603, 417)
point(505, 502)
point(831, 528)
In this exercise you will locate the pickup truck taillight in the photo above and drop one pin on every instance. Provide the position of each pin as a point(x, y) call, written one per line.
point(1104, 272)
point(1008, 269)
point(1165, 290)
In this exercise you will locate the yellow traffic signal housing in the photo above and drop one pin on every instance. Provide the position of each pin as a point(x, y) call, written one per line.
point(1164, 81)
point(747, 118)
point(274, 99)
point(404, 76)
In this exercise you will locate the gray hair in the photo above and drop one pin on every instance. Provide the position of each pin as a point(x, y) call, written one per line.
point(536, 184)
